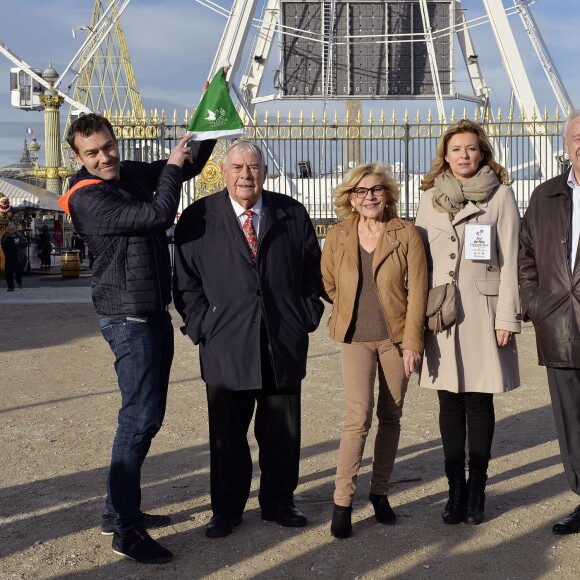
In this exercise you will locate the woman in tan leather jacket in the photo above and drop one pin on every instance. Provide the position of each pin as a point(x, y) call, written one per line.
point(375, 274)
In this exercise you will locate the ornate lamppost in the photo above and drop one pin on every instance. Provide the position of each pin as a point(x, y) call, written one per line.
point(52, 102)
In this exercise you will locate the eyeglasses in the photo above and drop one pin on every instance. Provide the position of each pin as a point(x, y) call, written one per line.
point(362, 192)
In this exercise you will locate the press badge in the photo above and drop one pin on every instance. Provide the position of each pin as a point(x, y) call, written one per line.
point(477, 241)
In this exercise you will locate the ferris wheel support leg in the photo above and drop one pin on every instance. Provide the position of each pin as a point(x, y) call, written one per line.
point(514, 66)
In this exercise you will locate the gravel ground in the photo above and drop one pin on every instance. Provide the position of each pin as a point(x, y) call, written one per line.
point(59, 402)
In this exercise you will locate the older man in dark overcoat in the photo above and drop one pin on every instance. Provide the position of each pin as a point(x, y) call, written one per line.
point(247, 284)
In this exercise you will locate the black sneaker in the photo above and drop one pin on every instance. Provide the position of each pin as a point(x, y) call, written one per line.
point(150, 522)
point(138, 545)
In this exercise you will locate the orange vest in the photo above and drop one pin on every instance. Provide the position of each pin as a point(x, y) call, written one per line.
point(64, 200)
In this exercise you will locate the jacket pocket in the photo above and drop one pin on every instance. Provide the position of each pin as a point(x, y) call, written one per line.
point(487, 287)
point(208, 324)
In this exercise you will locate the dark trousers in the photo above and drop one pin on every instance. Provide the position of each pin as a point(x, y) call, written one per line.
point(143, 348)
point(468, 416)
point(13, 269)
point(565, 393)
point(277, 431)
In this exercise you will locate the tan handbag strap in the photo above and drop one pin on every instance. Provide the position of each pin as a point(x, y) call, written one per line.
point(459, 257)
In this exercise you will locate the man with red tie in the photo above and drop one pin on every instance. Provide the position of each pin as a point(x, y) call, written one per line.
point(247, 284)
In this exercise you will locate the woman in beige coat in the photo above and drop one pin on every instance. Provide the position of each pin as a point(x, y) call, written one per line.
point(375, 274)
point(469, 213)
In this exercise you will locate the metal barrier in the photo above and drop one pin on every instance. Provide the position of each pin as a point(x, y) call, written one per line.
point(308, 158)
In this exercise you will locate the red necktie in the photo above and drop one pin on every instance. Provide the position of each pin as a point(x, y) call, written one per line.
point(250, 233)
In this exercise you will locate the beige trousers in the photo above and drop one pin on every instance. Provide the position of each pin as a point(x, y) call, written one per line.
point(360, 361)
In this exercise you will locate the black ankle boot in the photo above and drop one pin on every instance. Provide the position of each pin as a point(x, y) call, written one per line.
point(383, 510)
point(474, 513)
point(455, 509)
point(341, 526)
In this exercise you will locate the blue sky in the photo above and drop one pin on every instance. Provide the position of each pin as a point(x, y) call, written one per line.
point(172, 45)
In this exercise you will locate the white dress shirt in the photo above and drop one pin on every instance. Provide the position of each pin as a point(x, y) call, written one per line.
point(257, 213)
point(575, 230)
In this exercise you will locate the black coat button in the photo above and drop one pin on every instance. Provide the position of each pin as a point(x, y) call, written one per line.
point(453, 238)
point(451, 273)
point(489, 268)
point(452, 256)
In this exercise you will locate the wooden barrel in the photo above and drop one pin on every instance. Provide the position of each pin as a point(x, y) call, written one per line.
point(70, 264)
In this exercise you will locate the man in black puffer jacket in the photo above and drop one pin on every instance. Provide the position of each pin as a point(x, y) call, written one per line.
point(114, 209)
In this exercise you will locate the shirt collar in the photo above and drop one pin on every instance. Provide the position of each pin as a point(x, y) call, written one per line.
point(256, 208)
point(571, 180)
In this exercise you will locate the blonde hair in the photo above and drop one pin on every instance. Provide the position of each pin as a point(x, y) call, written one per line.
point(440, 165)
point(342, 192)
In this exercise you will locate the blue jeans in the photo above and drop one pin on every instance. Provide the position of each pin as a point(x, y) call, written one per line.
point(143, 349)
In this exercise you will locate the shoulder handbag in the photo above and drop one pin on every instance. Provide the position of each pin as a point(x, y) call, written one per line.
point(442, 302)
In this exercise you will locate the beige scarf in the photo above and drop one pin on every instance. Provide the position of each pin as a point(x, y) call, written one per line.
point(450, 194)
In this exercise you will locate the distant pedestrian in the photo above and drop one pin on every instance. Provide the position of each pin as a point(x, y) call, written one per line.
point(44, 248)
point(11, 243)
point(77, 243)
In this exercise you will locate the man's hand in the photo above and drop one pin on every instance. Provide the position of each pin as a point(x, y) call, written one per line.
point(181, 153)
point(411, 358)
point(206, 84)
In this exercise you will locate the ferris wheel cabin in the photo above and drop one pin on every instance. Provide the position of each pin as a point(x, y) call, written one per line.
point(25, 92)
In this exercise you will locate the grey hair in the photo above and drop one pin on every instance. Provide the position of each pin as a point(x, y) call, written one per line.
point(247, 146)
point(573, 115)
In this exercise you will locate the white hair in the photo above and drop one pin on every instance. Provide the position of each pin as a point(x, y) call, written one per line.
point(247, 146)
point(573, 115)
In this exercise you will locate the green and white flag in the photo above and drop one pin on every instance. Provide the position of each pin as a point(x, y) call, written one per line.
point(216, 116)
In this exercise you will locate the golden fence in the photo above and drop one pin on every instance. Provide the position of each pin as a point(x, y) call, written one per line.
point(308, 155)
